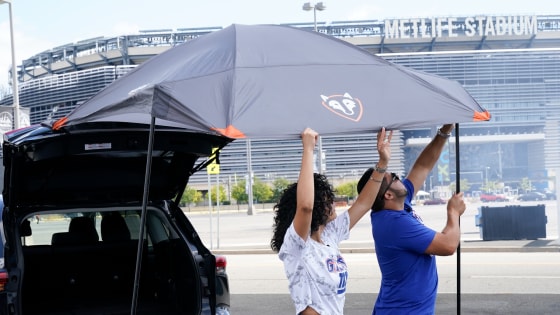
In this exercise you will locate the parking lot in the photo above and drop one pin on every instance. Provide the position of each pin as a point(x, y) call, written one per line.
point(235, 230)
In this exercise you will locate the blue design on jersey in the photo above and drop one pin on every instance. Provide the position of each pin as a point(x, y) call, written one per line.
point(342, 284)
point(338, 265)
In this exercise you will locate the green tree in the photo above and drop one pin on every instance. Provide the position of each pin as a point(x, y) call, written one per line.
point(491, 186)
point(239, 193)
point(465, 185)
point(525, 184)
point(218, 191)
point(278, 187)
point(261, 191)
point(190, 196)
point(349, 189)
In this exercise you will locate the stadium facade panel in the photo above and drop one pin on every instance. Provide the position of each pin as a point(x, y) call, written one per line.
point(510, 64)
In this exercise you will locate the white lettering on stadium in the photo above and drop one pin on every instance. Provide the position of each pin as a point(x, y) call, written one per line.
point(469, 26)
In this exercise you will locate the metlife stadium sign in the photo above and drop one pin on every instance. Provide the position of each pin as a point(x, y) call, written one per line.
point(466, 26)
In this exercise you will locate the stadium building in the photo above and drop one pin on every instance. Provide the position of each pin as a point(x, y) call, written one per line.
point(509, 64)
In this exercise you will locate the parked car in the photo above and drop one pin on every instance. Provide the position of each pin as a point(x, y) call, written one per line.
point(435, 201)
point(420, 197)
point(99, 247)
point(550, 195)
point(532, 196)
point(492, 197)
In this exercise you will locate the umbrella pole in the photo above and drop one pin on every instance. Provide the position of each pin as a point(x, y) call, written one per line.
point(458, 189)
point(249, 179)
point(141, 233)
point(320, 156)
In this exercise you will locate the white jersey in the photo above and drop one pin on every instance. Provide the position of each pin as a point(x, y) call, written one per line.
point(316, 272)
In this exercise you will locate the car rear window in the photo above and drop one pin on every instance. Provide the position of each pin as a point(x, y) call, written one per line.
point(43, 229)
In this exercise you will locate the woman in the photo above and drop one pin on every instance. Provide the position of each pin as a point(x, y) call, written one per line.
point(307, 231)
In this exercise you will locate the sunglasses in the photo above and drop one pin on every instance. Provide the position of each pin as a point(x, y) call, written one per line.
point(394, 177)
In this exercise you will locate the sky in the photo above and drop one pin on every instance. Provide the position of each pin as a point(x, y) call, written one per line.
point(40, 25)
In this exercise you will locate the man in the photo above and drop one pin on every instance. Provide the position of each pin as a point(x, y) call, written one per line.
point(404, 246)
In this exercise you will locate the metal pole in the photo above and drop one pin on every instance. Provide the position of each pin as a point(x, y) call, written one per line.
point(210, 210)
point(557, 190)
point(320, 155)
point(142, 232)
point(320, 169)
point(15, 90)
point(458, 189)
point(315, 17)
point(249, 179)
point(218, 210)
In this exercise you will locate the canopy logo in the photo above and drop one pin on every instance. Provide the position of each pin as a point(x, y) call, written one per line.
point(344, 105)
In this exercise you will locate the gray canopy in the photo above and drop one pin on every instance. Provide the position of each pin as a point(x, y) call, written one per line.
point(273, 81)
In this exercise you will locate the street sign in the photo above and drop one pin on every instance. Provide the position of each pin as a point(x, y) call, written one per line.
point(213, 168)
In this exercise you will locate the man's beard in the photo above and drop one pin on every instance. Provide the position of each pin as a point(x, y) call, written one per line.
point(400, 193)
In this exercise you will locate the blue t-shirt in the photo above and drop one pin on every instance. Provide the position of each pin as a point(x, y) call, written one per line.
point(409, 276)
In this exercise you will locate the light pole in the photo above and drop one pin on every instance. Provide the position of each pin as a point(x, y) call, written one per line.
point(317, 6)
point(15, 91)
point(308, 7)
point(487, 168)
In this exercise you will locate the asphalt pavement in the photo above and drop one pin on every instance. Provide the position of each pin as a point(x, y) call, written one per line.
point(360, 304)
point(540, 245)
point(240, 235)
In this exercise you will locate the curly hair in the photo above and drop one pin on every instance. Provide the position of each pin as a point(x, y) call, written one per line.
point(285, 209)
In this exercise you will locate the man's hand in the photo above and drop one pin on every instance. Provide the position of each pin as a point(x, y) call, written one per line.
point(456, 204)
point(447, 128)
point(384, 147)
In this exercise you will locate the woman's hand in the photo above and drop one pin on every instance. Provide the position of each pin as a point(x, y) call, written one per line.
point(309, 138)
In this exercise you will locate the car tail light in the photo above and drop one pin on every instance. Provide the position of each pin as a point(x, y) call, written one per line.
point(221, 263)
point(3, 280)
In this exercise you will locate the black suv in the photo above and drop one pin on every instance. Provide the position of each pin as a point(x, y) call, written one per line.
point(84, 234)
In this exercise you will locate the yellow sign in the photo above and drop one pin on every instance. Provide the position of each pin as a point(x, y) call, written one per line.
point(213, 168)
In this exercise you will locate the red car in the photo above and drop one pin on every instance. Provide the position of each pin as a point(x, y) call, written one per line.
point(491, 197)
